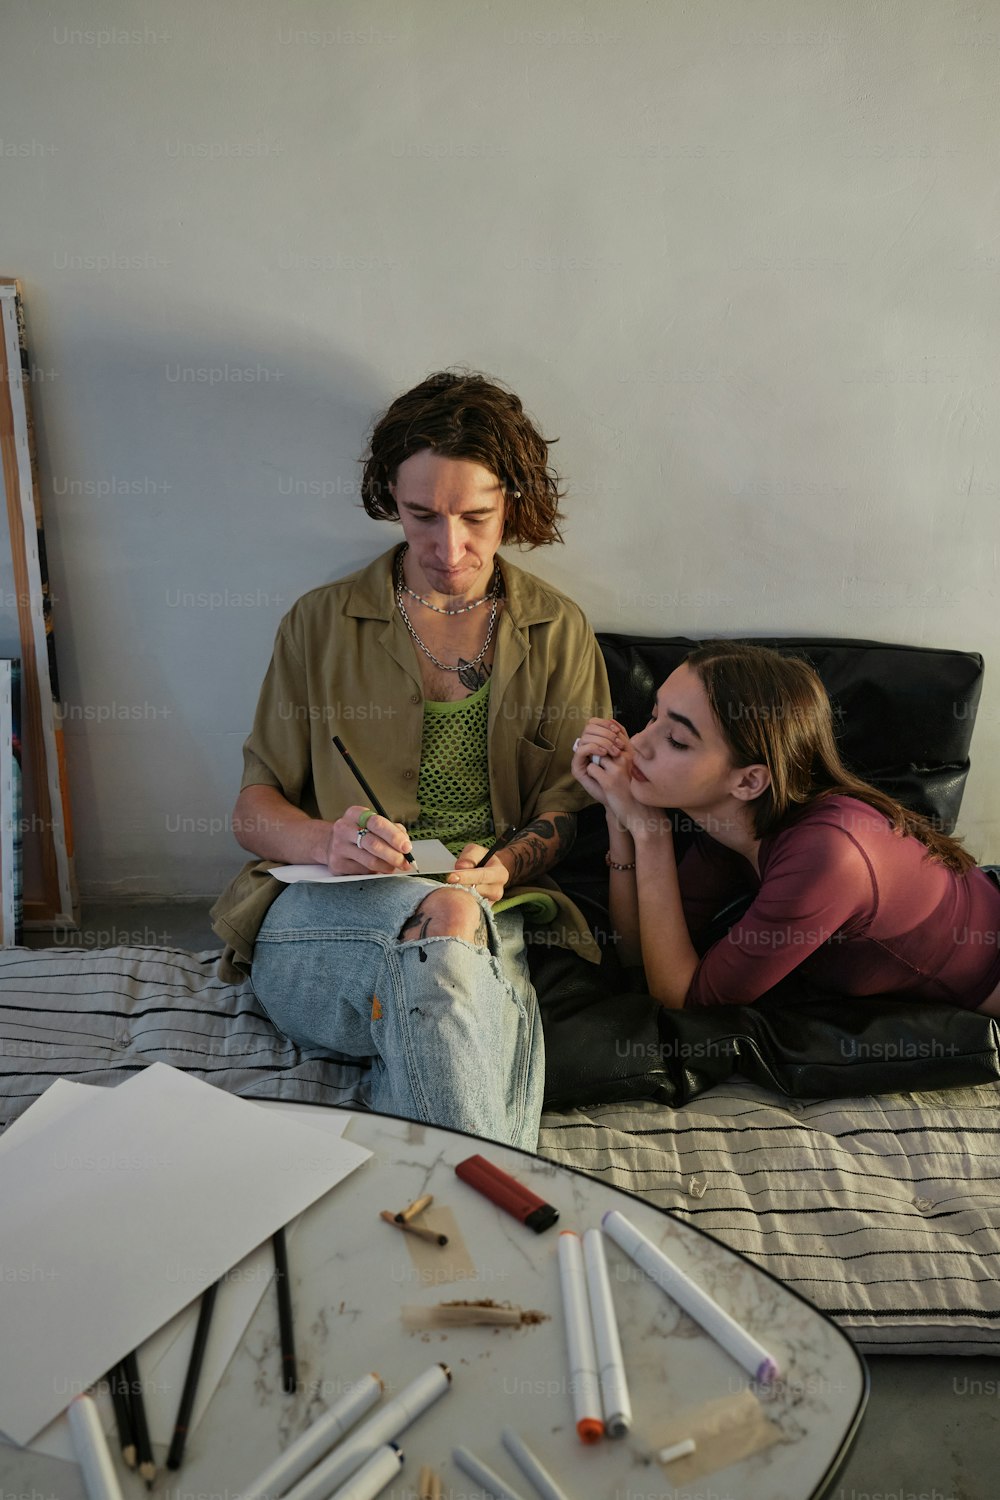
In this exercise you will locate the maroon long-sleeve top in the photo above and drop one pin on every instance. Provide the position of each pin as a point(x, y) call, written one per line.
point(859, 907)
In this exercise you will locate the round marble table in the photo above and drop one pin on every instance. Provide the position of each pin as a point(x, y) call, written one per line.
point(352, 1274)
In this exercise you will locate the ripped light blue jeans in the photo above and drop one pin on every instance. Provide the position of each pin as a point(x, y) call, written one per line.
point(451, 1029)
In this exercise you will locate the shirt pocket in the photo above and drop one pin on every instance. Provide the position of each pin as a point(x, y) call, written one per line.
point(535, 763)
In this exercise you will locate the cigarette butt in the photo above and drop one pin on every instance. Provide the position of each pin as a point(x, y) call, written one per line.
point(676, 1450)
point(416, 1207)
point(435, 1487)
point(430, 1235)
point(425, 1482)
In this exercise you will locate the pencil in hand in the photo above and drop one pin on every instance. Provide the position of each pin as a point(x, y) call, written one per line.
point(289, 1374)
point(501, 843)
point(376, 804)
point(190, 1390)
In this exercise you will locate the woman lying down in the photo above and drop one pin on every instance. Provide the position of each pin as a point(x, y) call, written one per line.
point(850, 891)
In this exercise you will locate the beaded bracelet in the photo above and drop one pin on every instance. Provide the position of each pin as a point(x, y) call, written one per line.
point(613, 864)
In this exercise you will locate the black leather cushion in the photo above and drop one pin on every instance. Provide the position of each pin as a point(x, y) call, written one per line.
point(607, 1042)
point(905, 714)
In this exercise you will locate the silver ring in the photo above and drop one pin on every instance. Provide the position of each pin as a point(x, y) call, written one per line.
point(361, 834)
point(597, 761)
point(576, 743)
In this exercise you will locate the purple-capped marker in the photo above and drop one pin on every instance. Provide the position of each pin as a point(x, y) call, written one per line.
point(695, 1301)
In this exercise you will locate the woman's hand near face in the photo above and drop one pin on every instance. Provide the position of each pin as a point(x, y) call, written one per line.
point(610, 783)
point(609, 740)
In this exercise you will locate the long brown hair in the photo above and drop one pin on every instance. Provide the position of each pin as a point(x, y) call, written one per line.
point(773, 710)
point(463, 415)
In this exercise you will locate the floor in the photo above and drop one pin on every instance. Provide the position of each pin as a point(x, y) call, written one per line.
point(932, 1428)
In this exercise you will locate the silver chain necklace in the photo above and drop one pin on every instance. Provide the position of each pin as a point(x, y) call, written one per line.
point(460, 666)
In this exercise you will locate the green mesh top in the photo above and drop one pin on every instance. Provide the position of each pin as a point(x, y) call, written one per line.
point(454, 786)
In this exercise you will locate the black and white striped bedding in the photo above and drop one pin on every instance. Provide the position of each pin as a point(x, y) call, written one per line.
point(884, 1212)
point(96, 1016)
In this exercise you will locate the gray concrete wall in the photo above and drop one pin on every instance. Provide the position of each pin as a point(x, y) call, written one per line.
point(742, 260)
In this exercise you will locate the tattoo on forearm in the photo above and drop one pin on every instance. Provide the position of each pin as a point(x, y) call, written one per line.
point(482, 933)
point(540, 844)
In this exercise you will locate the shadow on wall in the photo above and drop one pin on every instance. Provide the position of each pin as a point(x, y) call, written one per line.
point(191, 492)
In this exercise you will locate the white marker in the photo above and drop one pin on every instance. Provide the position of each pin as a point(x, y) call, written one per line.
point(372, 1478)
point(91, 1449)
point(316, 1441)
point(695, 1301)
point(610, 1364)
point(384, 1427)
point(676, 1450)
point(529, 1465)
point(477, 1470)
point(580, 1340)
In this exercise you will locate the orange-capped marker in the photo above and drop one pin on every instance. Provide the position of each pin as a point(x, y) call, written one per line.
point(584, 1381)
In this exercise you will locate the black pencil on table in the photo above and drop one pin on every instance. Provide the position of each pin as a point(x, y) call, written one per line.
point(288, 1372)
point(190, 1390)
point(376, 804)
point(123, 1414)
point(143, 1447)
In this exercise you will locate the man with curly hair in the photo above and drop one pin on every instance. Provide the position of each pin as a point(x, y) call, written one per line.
point(459, 683)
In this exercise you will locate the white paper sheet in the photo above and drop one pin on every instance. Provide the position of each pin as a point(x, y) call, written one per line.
point(431, 856)
point(58, 1100)
point(162, 1185)
point(163, 1358)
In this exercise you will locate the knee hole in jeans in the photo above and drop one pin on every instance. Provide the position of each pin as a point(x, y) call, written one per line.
point(448, 912)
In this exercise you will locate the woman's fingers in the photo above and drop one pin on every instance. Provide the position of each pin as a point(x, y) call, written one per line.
point(602, 737)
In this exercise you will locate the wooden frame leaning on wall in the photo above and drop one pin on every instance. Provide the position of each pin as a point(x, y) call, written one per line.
point(46, 823)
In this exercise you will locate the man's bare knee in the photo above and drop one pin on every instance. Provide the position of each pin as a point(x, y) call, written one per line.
point(449, 912)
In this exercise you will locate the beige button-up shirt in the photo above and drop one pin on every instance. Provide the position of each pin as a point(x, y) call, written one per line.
point(344, 664)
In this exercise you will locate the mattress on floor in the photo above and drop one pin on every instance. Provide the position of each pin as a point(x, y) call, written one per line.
point(884, 1211)
point(99, 1015)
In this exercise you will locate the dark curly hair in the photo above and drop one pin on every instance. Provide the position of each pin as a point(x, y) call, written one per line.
point(464, 415)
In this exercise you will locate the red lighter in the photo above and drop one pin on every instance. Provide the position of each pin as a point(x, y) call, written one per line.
point(507, 1193)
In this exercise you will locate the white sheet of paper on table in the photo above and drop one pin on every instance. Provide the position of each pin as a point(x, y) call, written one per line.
point(59, 1098)
point(163, 1358)
point(430, 855)
point(132, 1197)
